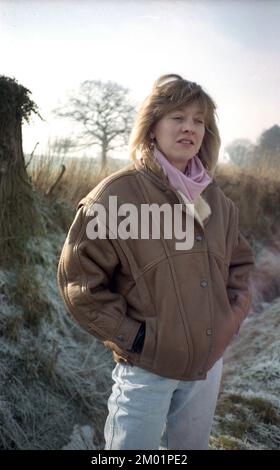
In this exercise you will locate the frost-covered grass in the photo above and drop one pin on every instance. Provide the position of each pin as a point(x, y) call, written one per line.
point(248, 411)
point(55, 379)
point(53, 376)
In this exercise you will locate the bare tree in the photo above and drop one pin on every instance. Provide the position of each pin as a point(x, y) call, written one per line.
point(268, 147)
point(269, 140)
point(103, 113)
point(264, 154)
point(60, 147)
point(240, 151)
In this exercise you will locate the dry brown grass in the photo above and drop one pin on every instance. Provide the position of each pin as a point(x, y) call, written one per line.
point(81, 176)
point(256, 192)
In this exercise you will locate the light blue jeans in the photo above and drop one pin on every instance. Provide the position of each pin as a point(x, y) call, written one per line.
point(147, 411)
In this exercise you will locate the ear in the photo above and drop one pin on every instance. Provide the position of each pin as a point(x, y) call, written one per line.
point(152, 135)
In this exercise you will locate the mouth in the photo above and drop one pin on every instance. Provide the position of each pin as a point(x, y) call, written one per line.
point(185, 142)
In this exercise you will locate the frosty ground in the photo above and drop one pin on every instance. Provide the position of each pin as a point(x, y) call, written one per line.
point(55, 379)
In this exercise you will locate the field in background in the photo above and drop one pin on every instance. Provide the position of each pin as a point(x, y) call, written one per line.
point(256, 191)
point(81, 175)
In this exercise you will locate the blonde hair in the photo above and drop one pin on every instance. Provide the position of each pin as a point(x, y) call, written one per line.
point(169, 93)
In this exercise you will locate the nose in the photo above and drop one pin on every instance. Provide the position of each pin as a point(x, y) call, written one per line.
point(188, 126)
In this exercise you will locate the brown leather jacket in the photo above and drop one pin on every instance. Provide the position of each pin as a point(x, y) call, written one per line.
point(191, 301)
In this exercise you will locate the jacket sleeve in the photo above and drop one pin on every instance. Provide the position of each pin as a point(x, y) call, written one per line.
point(239, 286)
point(85, 269)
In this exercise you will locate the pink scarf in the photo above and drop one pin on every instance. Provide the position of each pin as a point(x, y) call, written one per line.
point(192, 182)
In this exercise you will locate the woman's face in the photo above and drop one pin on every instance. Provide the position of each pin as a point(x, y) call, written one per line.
point(174, 131)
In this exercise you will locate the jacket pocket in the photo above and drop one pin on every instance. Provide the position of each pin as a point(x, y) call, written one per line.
point(148, 351)
point(231, 300)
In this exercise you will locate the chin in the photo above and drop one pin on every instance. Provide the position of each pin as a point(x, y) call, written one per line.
point(183, 159)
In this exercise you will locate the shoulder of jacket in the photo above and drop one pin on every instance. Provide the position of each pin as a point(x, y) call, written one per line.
point(110, 185)
point(229, 203)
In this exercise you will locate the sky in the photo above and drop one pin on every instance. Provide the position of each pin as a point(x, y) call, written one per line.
point(230, 47)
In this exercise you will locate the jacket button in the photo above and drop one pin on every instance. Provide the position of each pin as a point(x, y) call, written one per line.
point(120, 338)
point(209, 331)
point(203, 283)
point(199, 238)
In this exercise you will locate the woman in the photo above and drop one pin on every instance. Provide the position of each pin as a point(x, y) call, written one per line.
point(167, 311)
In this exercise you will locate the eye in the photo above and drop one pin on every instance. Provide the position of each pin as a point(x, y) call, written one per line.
point(177, 117)
point(201, 122)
